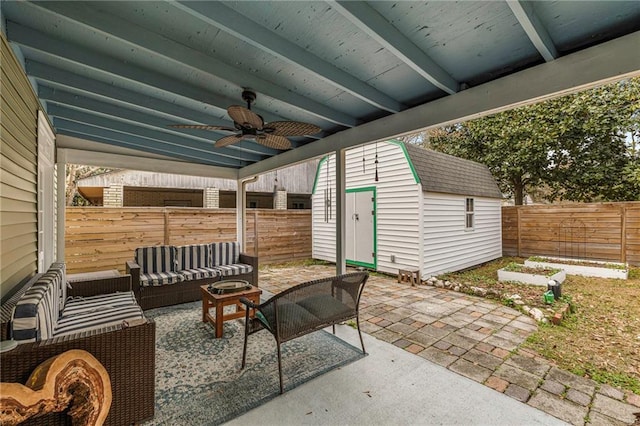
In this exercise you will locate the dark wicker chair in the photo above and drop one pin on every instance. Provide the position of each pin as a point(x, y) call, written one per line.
point(306, 308)
point(127, 353)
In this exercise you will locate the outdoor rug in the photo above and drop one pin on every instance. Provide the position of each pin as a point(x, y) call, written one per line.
point(198, 377)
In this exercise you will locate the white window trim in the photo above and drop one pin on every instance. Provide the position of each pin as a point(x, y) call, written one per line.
point(469, 213)
point(46, 194)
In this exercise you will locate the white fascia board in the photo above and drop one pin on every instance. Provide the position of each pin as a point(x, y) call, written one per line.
point(606, 62)
point(119, 161)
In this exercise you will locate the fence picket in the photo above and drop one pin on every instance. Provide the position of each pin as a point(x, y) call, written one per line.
point(99, 238)
point(598, 231)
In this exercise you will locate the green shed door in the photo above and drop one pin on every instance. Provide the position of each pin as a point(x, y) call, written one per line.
point(360, 227)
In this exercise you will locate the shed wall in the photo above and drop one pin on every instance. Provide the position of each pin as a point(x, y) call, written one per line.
point(398, 203)
point(448, 246)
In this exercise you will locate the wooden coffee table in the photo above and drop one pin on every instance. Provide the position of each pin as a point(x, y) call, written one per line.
point(219, 301)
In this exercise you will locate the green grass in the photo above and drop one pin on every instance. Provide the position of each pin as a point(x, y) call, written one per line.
point(600, 337)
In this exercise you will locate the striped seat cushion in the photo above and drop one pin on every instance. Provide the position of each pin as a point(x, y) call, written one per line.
point(235, 269)
point(225, 253)
point(36, 313)
point(193, 256)
point(198, 273)
point(91, 313)
point(156, 259)
point(160, 278)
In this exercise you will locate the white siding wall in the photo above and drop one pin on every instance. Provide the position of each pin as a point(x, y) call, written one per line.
point(448, 246)
point(323, 229)
point(398, 201)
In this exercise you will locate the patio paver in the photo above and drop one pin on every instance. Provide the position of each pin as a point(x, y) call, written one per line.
point(476, 338)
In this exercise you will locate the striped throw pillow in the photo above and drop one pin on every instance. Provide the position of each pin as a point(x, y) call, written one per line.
point(156, 259)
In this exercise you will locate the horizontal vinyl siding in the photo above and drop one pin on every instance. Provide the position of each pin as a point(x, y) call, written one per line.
point(398, 198)
point(18, 174)
point(448, 246)
point(323, 230)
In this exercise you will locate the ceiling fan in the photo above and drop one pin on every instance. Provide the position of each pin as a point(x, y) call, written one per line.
point(250, 125)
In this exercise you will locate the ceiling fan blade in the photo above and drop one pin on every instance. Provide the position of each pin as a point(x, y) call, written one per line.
point(245, 117)
point(291, 128)
point(227, 140)
point(202, 127)
point(273, 141)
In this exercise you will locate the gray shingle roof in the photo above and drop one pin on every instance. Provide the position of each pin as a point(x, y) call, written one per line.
point(445, 173)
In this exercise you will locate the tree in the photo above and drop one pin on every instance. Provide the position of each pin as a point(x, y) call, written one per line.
point(73, 173)
point(580, 147)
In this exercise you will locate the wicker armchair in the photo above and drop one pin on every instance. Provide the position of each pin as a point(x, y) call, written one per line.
point(126, 351)
point(306, 308)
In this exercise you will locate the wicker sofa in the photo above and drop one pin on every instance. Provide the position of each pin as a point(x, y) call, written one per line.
point(169, 275)
point(99, 316)
point(306, 308)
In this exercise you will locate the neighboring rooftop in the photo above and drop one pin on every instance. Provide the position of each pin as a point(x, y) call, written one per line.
point(297, 179)
point(447, 174)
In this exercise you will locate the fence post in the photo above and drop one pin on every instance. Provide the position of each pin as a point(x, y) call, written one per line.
point(167, 229)
point(518, 228)
point(255, 232)
point(623, 233)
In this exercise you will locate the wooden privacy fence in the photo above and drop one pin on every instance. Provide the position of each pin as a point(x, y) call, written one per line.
point(99, 238)
point(598, 231)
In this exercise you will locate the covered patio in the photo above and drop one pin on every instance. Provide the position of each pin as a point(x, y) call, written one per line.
point(113, 76)
point(99, 83)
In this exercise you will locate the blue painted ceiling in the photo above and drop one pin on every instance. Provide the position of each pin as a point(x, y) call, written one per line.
point(119, 73)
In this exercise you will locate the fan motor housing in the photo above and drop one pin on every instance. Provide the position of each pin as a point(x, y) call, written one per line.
point(248, 96)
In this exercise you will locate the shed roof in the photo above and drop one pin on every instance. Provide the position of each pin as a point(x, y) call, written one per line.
point(445, 173)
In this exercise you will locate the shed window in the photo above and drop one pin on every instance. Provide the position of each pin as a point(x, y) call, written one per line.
point(469, 213)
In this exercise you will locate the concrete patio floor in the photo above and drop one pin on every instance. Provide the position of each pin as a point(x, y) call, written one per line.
point(392, 387)
point(439, 357)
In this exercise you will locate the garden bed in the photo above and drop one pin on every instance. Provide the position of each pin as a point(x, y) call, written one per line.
point(585, 268)
point(535, 275)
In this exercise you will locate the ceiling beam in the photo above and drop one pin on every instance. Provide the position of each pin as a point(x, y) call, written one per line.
point(606, 62)
point(152, 137)
point(78, 83)
point(118, 69)
point(86, 104)
point(122, 140)
point(377, 27)
point(118, 161)
point(536, 32)
point(186, 56)
point(221, 16)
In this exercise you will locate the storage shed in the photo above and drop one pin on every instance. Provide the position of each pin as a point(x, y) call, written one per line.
point(408, 208)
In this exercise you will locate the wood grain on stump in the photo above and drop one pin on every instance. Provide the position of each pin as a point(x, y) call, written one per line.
point(73, 379)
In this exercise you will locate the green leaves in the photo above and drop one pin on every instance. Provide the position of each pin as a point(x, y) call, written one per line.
point(580, 147)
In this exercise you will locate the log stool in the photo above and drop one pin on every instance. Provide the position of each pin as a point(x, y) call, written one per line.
point(410, 276)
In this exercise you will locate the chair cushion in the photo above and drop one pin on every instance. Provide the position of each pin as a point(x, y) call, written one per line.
point(193, 256)
point(235, 269)
point(91, 313)
point(225, 253)
point(160, 278)
point(86, 305)
point(36, 313)
point(326, 306)
point(156, 259)
point(198, 273)
point(292, 318)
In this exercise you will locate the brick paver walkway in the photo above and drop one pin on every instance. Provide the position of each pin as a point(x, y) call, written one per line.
point(477, 338)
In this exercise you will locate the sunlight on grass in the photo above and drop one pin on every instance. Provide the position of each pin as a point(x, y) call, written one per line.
point(600, 340)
